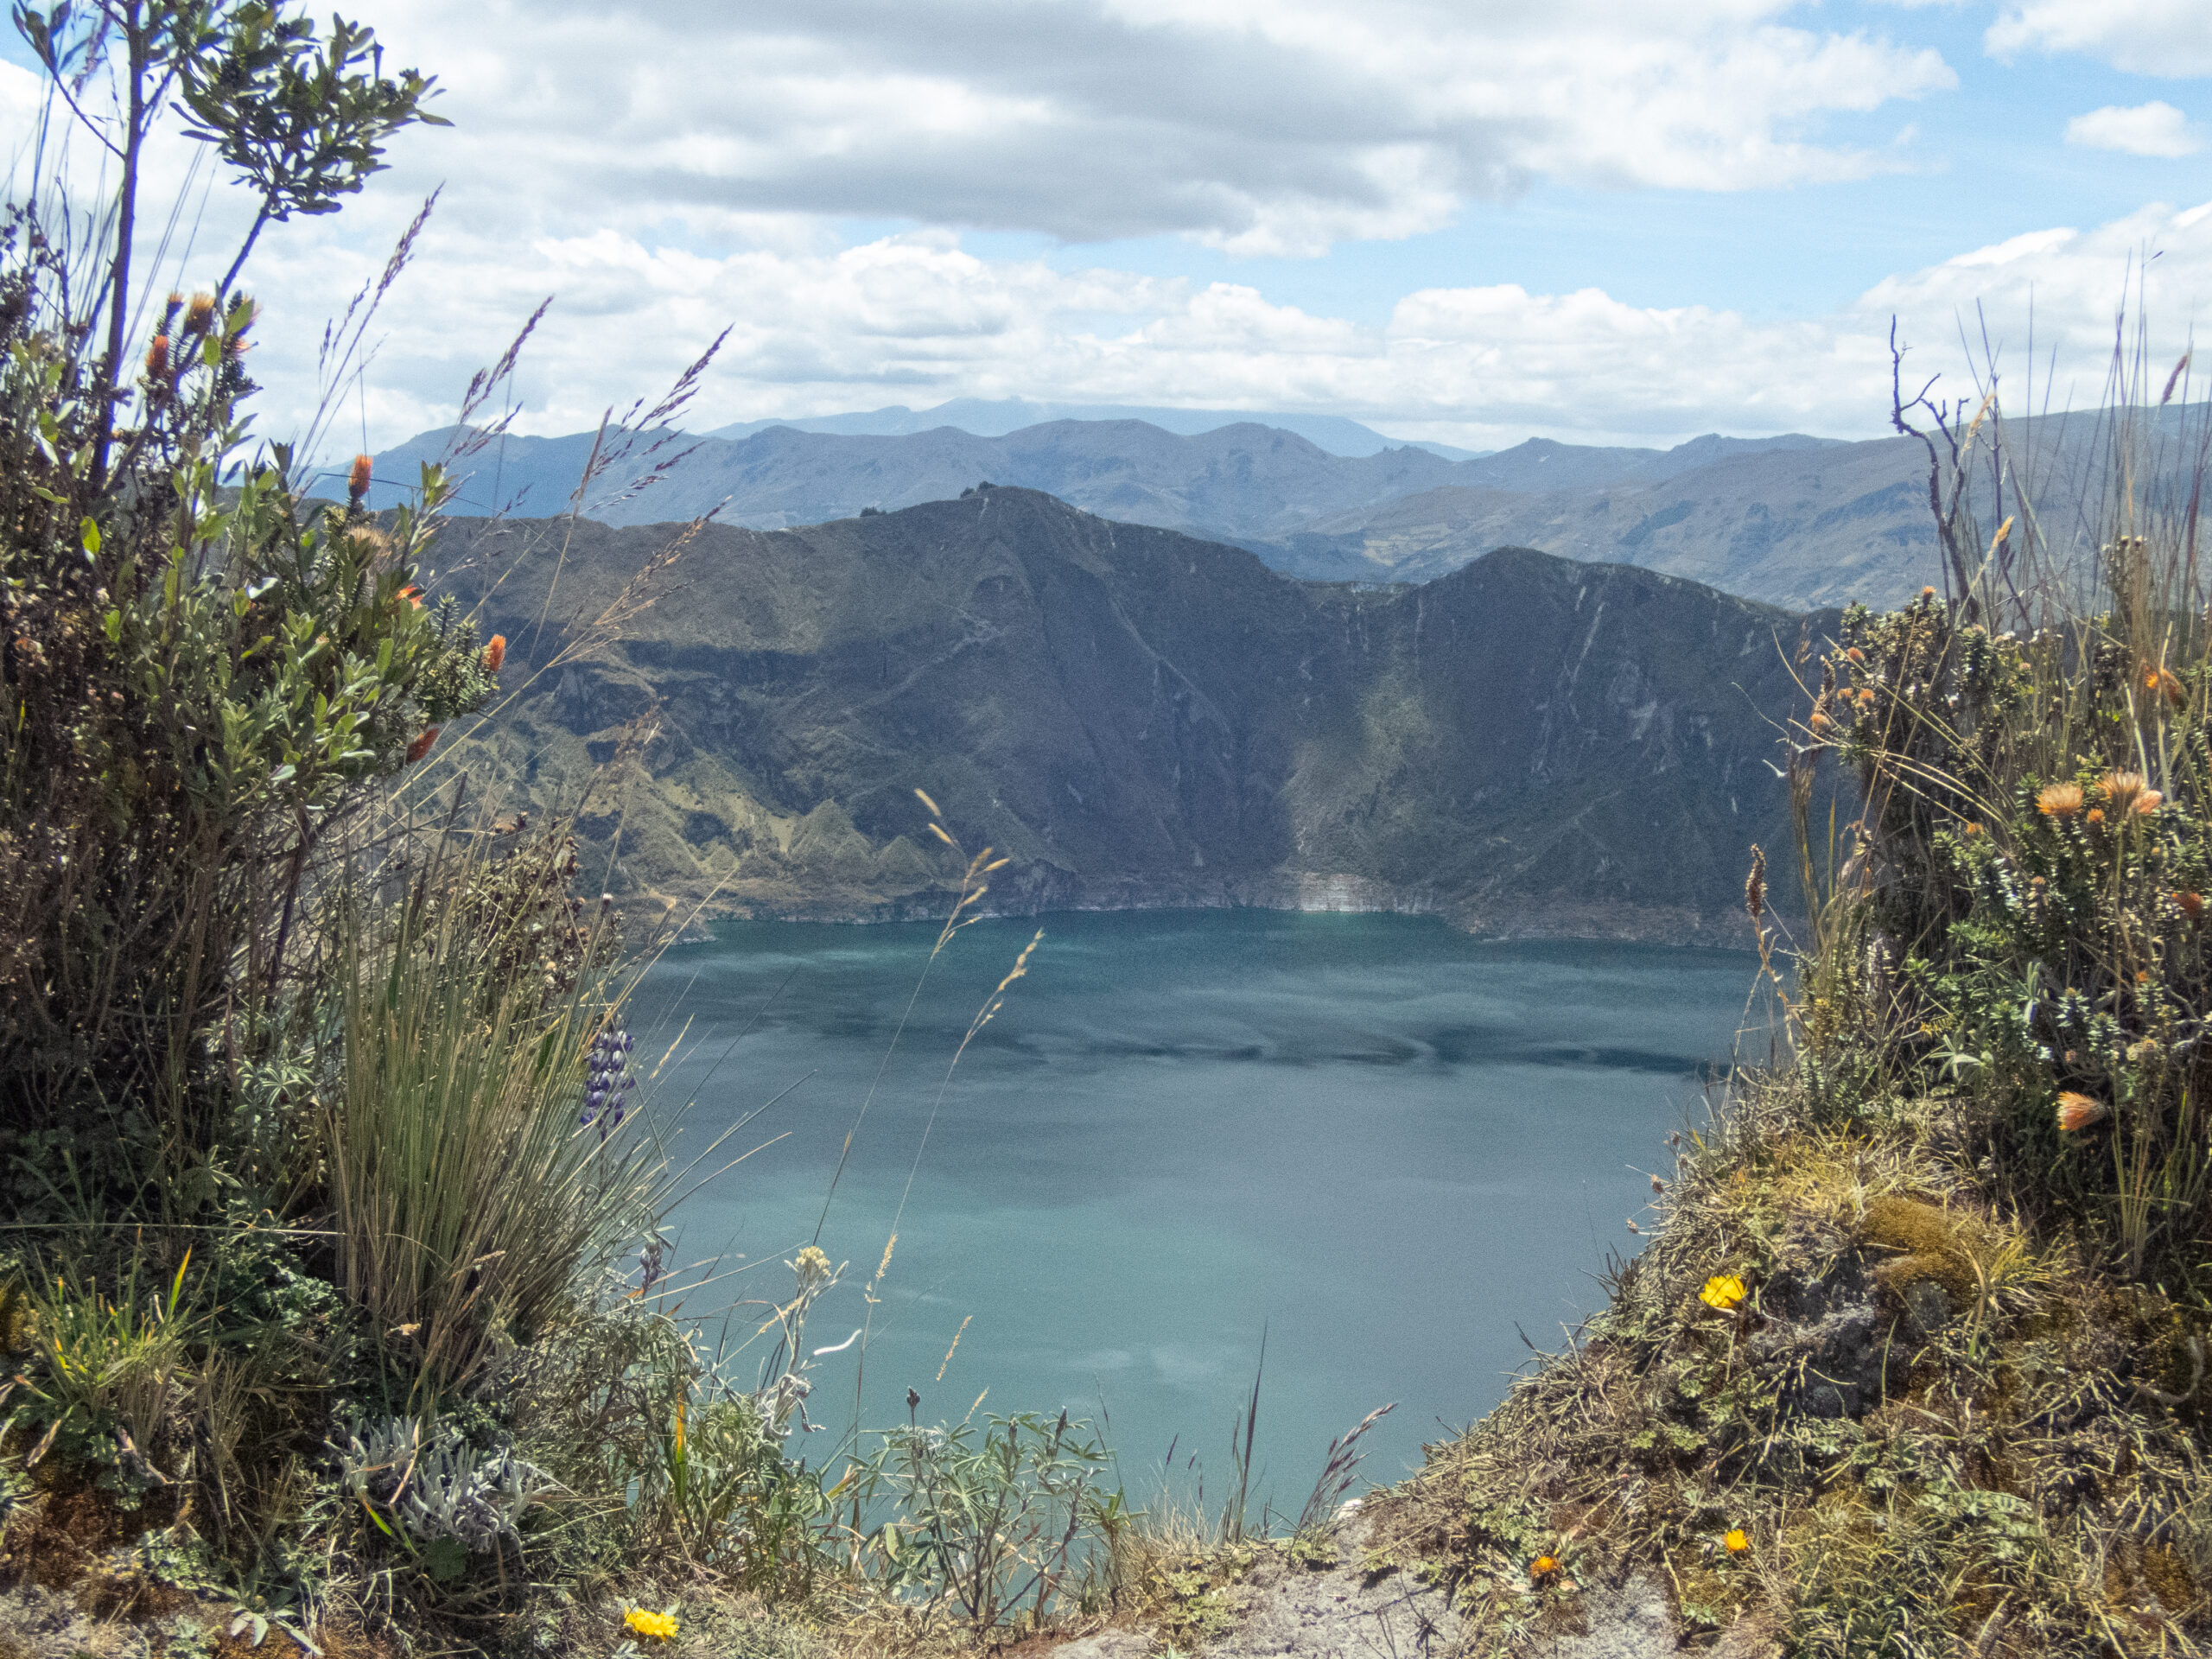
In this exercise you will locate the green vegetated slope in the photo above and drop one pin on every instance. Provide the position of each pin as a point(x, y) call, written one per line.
point(1526, 746)
point(1915, 1363)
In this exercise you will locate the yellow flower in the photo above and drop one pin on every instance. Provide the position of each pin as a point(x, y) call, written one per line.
point(646, 1621)
point(1724, 1292)
point(1736, 1542)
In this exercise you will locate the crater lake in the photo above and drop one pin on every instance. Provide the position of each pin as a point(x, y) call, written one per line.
point(1385, 1147)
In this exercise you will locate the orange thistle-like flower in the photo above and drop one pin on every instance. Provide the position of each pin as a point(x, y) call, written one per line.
point(2147, 803)
point(2164, 682)
point(157, 359)
point(1867, 697)
point(1736, 1540)
point(2121, 789)
point(495, 653)
point(2079, 1111)
point(1972, 828)
point(2059, 800)
point(1542, 1567)
point(357, 481)
point(2192, 904)
point(2096, 814)
point(197, 313)
point(1856, 654)
point(1820, 722)
point(421, 745)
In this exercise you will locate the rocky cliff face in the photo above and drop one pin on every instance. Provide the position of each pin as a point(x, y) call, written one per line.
point(1526, 746)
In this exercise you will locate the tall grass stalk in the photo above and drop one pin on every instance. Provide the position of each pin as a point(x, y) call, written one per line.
point(1243, 1431)
point(965, 913)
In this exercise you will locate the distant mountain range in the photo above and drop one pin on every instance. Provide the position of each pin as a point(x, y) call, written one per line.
point(1301, 509)
point(1528, 746)
point(1792, 520)
point(1235, 482)
point(995, 417)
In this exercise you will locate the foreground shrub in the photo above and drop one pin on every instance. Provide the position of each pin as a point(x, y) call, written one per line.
point(987, 1519)
point(2028, 874)
point(1916, 1364)
point(198, 677)
point(319, 1133)
point(114, 1366)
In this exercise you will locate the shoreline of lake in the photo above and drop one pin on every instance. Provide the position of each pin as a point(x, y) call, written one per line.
point(1290, 892)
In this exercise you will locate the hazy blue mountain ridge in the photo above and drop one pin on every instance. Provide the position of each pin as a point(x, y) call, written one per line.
point(1803, 525)
point(1247, 484)
point(1791, 520)
point(995, 417)
point(1242, 481)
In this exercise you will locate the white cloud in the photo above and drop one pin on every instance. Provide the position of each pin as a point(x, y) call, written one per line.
point(2154, 129)
point(2072, 285)
point(916, 319)
point(2172, 38)
point(684, 198)
point(1268, 129)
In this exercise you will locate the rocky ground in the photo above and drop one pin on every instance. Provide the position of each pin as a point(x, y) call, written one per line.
point(1285, 1611)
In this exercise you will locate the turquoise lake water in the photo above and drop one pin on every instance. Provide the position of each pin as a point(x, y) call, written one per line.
point(1378, 1140)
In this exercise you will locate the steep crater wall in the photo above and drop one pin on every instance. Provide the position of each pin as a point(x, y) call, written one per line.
point(1527, 746)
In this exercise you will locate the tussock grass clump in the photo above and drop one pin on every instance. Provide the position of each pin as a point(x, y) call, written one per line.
point(469, 1175)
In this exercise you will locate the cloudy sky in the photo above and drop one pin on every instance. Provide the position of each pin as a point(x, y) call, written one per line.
point(1467, 220)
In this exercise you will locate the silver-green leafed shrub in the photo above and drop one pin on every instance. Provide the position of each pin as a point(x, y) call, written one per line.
point(436, 1487)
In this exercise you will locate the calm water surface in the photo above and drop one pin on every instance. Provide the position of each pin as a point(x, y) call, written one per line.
point(1378, 1140)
